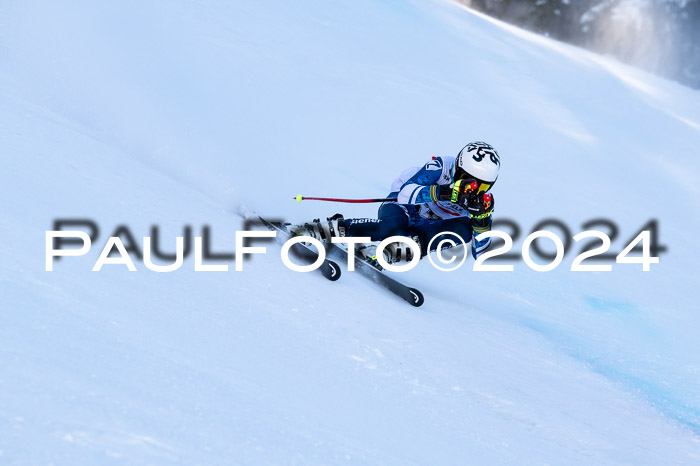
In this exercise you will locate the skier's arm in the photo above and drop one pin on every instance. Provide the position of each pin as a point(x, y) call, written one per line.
point(480, 207)
point(417, 189)
point(417, 194)
point(425, 186)
point(414, 193)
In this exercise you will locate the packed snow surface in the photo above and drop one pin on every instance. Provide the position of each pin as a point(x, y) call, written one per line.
point(142, 113)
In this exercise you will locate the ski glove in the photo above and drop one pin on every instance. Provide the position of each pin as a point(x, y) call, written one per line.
point(458, 193)
point(480, 206)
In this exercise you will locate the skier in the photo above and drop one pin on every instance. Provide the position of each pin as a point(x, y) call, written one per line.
point(448, 194)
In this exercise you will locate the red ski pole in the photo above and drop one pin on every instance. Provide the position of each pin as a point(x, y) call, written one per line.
point(300, 198)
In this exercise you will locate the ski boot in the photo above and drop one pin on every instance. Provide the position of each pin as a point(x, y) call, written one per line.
point(399, 252)
point(393, 253)
point(323, 231)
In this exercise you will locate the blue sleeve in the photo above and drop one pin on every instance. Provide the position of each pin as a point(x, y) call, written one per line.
point(422, 187)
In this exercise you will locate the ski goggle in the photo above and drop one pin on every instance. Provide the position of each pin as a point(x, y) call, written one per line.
point(484, 186)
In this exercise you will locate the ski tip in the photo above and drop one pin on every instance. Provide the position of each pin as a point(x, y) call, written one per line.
point(244, 211)
point(333, 271)
point(417, 297)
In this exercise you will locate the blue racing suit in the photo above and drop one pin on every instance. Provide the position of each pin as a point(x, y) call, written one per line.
point(414, 213)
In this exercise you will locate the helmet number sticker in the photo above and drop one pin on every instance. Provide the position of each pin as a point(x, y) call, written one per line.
point(482, 152)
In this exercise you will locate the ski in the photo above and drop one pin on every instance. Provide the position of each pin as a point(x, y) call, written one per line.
point(328, 269)
point(411, 295)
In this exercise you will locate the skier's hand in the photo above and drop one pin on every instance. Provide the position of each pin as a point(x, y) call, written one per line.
point(459, 192)
point(480, 205)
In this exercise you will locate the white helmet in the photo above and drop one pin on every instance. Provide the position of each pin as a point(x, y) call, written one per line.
point(479, 161)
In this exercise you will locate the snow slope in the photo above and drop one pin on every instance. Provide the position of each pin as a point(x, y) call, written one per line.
point(139, 113)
